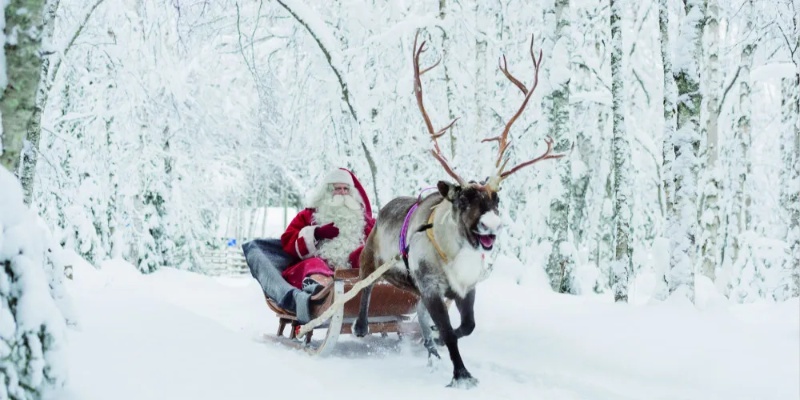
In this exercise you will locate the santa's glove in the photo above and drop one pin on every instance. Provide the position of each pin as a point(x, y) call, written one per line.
point(328, 231)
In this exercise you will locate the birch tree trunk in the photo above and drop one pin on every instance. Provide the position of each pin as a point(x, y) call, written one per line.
point(22, 77)
point(791, 156)
point(670, 107)
point(114, 246)
point(682, 221)
point(587, 127)
point(448, 80)
point(791, 193)
point(482, 25)
point(561, 263)
point(670, 112)
point(33, 130)
point(740, 158)
point(793, 235)
point(710, 213)
point(623, 195)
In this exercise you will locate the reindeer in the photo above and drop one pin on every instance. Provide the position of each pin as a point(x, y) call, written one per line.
point(452, 229)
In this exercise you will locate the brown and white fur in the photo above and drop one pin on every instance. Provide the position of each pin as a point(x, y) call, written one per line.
point(465, 223)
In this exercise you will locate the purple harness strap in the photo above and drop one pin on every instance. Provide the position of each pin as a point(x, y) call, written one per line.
point(404, 230)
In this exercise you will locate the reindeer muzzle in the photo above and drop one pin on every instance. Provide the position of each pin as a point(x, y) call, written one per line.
point(486, 241)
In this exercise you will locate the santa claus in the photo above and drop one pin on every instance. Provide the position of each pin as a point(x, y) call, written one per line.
point(330, 233)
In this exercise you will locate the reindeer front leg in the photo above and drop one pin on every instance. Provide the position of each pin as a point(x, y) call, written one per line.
point(466, 309)
point(435, 305)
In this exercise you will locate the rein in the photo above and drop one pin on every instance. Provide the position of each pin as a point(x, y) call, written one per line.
point(433, 241)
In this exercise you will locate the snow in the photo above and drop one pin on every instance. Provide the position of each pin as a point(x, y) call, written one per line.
point(684, 47)
point(776, 70)
point(179, 335)
point(32, 326)
point(175, 334)
point(596, 96)
point(276, 218)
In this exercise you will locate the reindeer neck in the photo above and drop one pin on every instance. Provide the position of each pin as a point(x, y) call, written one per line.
point(433, 239)
point(442, 224)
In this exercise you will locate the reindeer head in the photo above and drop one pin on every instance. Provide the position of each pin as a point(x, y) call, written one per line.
point(474, 210)
point(475, 204)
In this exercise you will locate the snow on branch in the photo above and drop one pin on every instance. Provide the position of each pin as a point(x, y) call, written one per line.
point(326, 42)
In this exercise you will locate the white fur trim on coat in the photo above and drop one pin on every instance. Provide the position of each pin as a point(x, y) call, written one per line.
point(307, 234)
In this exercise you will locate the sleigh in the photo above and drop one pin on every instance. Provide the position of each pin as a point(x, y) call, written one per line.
point(391, 310)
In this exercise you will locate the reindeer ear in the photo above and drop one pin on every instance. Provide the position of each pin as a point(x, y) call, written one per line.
point(447, 190)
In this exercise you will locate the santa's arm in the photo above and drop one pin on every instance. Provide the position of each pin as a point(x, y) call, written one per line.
point(298, 239)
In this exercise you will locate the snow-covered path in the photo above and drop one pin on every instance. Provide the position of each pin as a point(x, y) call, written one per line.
point(178, 335)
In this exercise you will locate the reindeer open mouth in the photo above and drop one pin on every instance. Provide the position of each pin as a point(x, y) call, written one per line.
point(486, 241)
point(485, 230)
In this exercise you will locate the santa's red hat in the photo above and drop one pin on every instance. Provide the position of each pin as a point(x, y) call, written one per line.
point(339, 175)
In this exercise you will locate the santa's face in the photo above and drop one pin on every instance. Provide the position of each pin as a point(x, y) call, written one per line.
point(340, 188)
point(340, 205)
point(341, 197)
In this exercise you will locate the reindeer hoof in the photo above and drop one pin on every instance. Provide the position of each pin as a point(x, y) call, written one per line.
point(430, 345)
point(432, 352)
point(464, 382)
point(360, 329)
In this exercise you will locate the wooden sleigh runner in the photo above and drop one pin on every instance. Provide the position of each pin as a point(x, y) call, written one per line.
point(391, 310)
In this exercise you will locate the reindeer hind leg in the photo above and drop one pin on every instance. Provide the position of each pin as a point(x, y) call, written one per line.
point(367, 261)
point(426, 329)
point(361, 324)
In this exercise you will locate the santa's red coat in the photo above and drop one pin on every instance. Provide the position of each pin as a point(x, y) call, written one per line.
point(298, 239)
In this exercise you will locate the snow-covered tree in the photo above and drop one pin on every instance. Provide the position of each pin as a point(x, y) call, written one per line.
point(590, 209)
point(670, 99)
point(669, 103)
point(686, 144)
point(623, 190)
point(159, 115)
point(790, 151)
point(32, 326)
point(556, 108)
point(739, 166)
point(710, 189)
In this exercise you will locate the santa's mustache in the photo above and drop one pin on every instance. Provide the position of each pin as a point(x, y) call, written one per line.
point(348, 201)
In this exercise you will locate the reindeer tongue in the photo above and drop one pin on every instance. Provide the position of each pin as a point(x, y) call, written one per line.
point(486, 240)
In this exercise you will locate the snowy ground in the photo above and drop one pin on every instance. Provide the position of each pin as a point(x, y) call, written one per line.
point(178, 335)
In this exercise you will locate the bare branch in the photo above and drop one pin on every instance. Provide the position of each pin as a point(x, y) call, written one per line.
point(57, 65)
point(728, 88)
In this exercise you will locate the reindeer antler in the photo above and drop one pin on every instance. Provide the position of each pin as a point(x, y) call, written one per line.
point(435, 135)
point(502, 141)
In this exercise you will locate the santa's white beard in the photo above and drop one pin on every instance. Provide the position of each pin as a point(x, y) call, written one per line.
point(345, 212)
